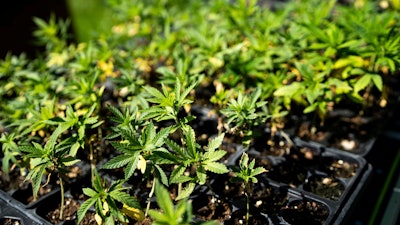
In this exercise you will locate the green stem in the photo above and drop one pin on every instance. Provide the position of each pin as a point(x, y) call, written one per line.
point(62, 199)
point(247, 193)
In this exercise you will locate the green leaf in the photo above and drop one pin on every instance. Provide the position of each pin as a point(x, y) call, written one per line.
point(160, 136)
point(215, 143)
point(244, 160)
point(201, 175)
point(84, 208)
point(74, 149)
point(289, 90)
point(89, 192)
point(255, 95)
point(131, 167)
point(186, 192)
point(125, 198)
point(155, 93)
point(311, 108)
point(179, 179)
point(353, 61)
point(118, 161)
point(160, 218)
point(96, 182)
point(216, 167)
point(377, 79)
point(161, 174)
point(312, 93)
point(191, 142)
point(257, 171)
point(36, 175)
point(164, 200)
point(214, 156)
point(362, 83)
point(69, 161)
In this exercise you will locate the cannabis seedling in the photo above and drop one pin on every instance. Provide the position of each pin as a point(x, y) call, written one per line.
point(181, 214)
point(137, 150)
point(104, 197)
point(244, 113)
point(192, 162)
point(46, 160)
point(246, 175)
point(169, 103)
point(11, 153)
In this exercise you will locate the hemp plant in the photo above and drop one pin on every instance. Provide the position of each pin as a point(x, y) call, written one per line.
point(181, 214)
point(169, 103)
point(138, 151)
point(105, 197)
point(192, 162)
point(246, 175)
point(11, 153)
point(49, 158)
point(244, 113)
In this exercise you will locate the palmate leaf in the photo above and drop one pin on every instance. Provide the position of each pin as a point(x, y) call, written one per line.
point(176, 148)
point(186, 92)
point(160, 137)
point(115, 212)
point(157, 95)
point(32, 151)
point(177, 175)
point(118, 116)
point(130, 136)
point(157, 113)
point(123, 147)
point(163, 156)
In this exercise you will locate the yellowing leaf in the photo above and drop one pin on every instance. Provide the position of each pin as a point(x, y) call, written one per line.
point(98, 219)
point(354, 61)
point(57, 59)
point(216, 62)
point(105, 208)
point(133, 213)
point(107, 68)
point(141, 164)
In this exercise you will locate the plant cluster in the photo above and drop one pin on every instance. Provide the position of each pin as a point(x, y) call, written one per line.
point(129, 91)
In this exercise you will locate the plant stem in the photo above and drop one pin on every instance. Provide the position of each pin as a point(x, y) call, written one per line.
point(62, 199)
point(92, 164)
point(150, 195)
point(247, 191)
